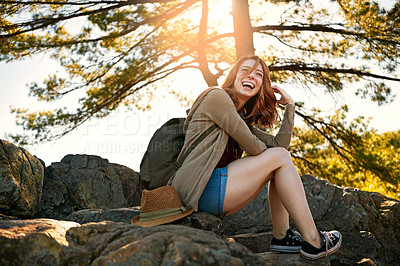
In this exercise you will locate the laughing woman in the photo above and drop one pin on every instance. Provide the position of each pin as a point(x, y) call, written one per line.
point(215, 178)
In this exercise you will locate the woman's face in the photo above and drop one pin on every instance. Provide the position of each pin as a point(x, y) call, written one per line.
point(248, 84)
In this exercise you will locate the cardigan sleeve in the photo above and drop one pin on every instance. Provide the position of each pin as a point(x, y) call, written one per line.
point(284, 135)
point(219, 107)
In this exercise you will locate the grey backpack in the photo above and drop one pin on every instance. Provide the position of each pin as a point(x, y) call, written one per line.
point(160, 162)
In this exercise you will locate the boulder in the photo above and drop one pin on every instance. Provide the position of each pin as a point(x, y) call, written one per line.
point(256, 242)
point(52, 242)
point(175, 245)
point(274, 258)
point(203, 221)
point(33, 242)
point(123, 215)
point(6, 217)
point(200, 220)
point(87, 182)
point(94, 202)
point(21, 181)
point(253, 218)
point(369, 222)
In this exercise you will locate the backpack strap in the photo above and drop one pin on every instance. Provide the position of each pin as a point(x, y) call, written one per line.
point(178, 163)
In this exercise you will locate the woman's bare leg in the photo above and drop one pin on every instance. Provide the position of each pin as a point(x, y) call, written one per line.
point(245, 203)
point(279, 214)
point(248, 175)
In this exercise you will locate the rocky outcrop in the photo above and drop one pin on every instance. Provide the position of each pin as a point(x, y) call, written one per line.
point(199, 220)
point(251, 219)
point(21, 181)
point(123, 215)
point(94, 201)
point(369, 222)
point(33, 242)
point(50, 242)
point(87, 182)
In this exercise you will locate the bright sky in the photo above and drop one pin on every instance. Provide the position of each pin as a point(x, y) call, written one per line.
point(123, 136)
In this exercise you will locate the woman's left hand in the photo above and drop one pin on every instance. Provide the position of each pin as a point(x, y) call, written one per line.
point(285, 97)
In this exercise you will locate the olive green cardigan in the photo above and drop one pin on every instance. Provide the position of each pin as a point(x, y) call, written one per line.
point(216, 106)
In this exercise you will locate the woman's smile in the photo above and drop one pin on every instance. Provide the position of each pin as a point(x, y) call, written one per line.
point(248, 85)
point(248, 80)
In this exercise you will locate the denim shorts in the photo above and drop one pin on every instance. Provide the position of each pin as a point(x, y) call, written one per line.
point(212, 199)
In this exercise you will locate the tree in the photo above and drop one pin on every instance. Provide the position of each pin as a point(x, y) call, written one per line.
point(366, 159)
point(125, 47)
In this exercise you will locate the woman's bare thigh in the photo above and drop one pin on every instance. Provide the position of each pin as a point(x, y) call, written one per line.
point(248, 175)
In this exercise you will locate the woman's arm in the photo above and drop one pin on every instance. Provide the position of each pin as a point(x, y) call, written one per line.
point(284, 135)
point(219, 107)
point(282, 139)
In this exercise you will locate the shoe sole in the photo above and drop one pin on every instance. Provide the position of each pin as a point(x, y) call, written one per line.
point(285, 249)
point(322, 254)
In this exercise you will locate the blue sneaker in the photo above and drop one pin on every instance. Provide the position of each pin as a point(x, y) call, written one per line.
point(291, 243)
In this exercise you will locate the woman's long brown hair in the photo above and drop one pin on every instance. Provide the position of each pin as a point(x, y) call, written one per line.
point(260, 109)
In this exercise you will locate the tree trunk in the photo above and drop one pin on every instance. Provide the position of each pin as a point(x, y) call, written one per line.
point(210, 78)
point(243, 31)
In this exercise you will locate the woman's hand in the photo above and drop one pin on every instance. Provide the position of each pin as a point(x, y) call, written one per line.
point(285, 97)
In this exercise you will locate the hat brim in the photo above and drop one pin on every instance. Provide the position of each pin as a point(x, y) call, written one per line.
point(159, 221)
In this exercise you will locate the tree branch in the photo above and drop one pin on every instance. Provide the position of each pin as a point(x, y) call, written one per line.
point(116, 98)
point(69, 3)
point(45, 22)
point(318, 28)
point(312, 122)
point(301, 158)
point(292, 46)
point(129, 85)
point(304, 67)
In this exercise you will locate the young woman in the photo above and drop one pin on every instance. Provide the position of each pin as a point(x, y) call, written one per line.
point(215, 178)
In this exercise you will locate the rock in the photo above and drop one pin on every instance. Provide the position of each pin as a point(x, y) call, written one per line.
point(369, 222)
point(33, 242)
point(87, 182)
point(6, 217)
point(52, 242)
point(123, 215)
point(21, 181)
point(175, 245)
point(203, 221)
point(291, 259)
point(55, 202)
point(98, 198)
point(260, 243)
point(130, 184)
point(251, 219)
point(256, 242)
point(88, 241)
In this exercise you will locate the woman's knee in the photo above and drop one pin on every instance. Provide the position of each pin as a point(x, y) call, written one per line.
point(279, 153)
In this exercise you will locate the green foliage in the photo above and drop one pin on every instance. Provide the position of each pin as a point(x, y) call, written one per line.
point(320, 47)
point(350, 155)
point(121, 49)
point(378, 92)
point(115, 52)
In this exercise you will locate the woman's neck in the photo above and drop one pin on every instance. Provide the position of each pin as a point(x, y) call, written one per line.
point(240, 103)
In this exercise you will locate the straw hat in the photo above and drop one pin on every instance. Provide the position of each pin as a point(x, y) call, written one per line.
point(160, 206)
